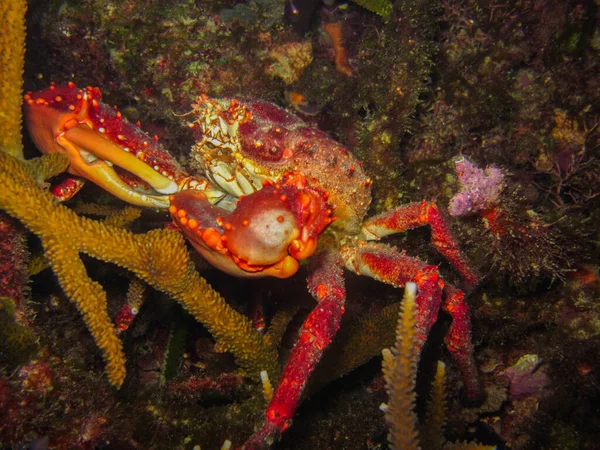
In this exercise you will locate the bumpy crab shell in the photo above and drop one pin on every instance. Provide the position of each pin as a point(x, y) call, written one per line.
point(240, 145)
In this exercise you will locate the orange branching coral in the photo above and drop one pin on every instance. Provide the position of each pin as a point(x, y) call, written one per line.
point(118, 217)
point(279, 324)
point(13, 256)
point(159, 257)
point(12, 60)
point(115, 217)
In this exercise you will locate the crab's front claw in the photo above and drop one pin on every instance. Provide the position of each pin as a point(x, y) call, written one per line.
point(267, 233)
point(96, 138)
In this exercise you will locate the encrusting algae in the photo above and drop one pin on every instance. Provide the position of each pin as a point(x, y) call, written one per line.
point(159, 257)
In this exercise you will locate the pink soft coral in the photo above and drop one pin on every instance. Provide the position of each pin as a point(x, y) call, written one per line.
point(480, 191)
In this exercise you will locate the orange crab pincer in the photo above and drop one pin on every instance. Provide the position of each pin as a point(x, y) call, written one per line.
point(103, 147)
point(292, 192)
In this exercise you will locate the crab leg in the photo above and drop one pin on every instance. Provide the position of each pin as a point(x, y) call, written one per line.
point(389, 266)
point(458, 339)
point(386, 264)
point(326, 284)
point(67, 188)
point(414, 215)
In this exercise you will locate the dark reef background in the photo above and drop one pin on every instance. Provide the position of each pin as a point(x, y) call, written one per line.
point(409, 87)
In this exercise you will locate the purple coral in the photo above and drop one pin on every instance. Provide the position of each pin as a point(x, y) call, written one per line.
point(480, 188)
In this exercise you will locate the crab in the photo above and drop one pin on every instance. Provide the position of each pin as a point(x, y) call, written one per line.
point(271, 191)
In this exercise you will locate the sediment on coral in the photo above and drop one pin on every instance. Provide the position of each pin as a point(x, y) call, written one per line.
point(159, 257)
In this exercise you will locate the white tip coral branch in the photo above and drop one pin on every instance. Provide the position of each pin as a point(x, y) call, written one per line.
point(400, 371)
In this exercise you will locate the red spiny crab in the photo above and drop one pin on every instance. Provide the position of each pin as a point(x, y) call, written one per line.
point(276, 191)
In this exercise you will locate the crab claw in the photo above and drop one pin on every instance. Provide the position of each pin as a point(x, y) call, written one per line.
point(267, 233)
point(96, 138)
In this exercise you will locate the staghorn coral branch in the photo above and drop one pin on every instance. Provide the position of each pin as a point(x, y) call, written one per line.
point(43, 168)
point(12, 62)
point(90, 300)
point(433, 431)
point(279, 324)
point(159, 257)
point(400, 371)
